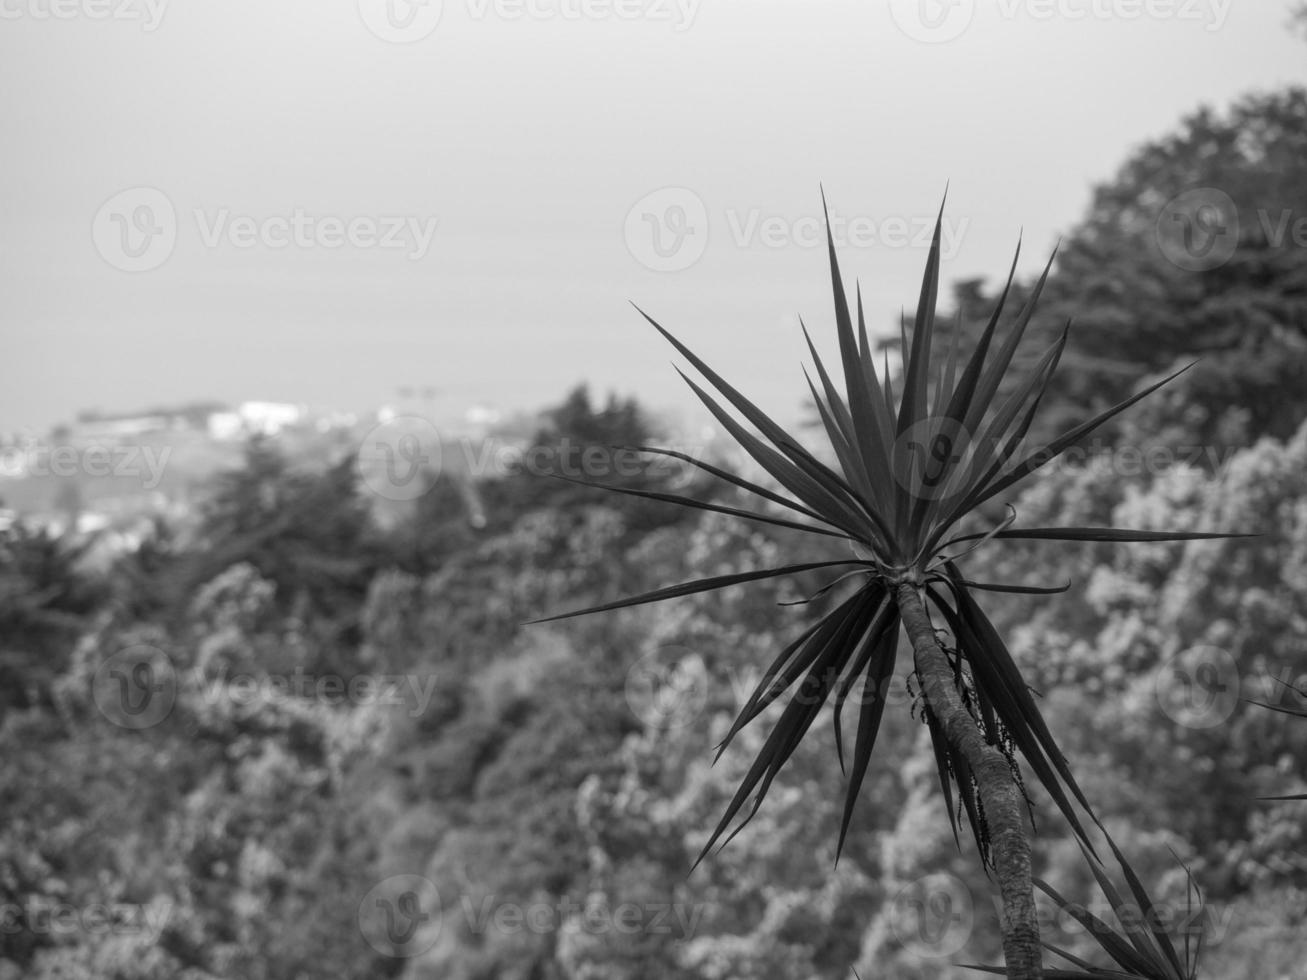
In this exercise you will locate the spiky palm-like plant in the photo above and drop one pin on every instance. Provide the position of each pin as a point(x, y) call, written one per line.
point(1139, 946)
point(911, 467)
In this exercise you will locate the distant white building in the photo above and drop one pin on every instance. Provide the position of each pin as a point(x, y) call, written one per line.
point(99, 431)
point(225, 426)
point(482, 415)
point(254, 418)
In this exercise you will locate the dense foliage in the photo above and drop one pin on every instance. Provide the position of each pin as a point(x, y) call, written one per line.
point(341, 706)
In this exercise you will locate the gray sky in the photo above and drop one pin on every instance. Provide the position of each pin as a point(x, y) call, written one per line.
point(273, 170)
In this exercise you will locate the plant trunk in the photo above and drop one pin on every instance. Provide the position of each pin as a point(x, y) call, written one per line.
point(999, 793)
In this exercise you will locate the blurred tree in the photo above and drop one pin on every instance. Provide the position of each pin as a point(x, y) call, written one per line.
point(575, 440)
point(46, 600)
point(581, 442)
point(1197, 248)
point(308, 532)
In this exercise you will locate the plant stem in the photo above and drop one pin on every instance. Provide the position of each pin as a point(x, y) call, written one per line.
point(999, 794)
